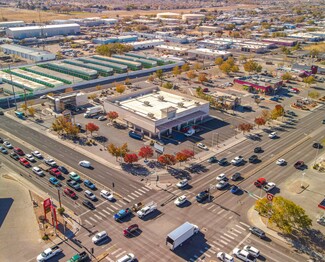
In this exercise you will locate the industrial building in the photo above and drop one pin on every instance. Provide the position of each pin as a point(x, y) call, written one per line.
point(24, 52)
point(42, 31)
point(215, 44)
point(155, 112)
point(207, 54)
point(176, 50)
point(119, 39)
point(280, 41)
point(138, 45)
point(11, 24)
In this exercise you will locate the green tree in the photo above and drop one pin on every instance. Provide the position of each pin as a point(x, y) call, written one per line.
point(225, 68)
point(120, 88)
point(252, 66)
point(191, 74)
point(235, 69)
point(284, 213)
point(309, 80)
point(114, 48)
point(202, 78)
point(286, 76)
point(197, 66)
point(314, 94)
point(168, 85)
point(176, 71)
point(218, 61)
point(160, 74)
point(185, 67)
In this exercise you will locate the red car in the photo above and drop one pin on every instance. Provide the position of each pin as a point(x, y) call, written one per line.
point(127, 232)
point(260, 182)
point(24, 162)
point(70, 192)
point(18, 151)
point(299, 165)
point(55, 172)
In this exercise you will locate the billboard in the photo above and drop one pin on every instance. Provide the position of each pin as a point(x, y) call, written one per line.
point(47, 206)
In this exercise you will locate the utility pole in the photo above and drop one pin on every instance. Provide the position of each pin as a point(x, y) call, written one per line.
point(25, 98)
point(59, 196)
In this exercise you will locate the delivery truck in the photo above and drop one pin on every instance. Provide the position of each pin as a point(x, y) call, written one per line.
point(178, 236)
point(94, 110)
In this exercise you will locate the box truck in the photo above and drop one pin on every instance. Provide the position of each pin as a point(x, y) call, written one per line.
point(178, 236)
point(94, 110)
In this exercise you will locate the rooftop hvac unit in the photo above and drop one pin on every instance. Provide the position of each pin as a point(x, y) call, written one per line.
point(151, 115)
point(146, 103)
point(161, 98)
point(180, 104)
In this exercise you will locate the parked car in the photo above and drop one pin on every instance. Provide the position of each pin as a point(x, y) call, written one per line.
point(130, 230)
point(18, 151)
point(3, 150)
point(37, 154)
point(8, 145)
point(102, 118)
point(73, 184)
point(222, 184)
point(299, 164)
point(235, 176)
point(321, 220)
point(180, 200)
point(107, 195)
point(269, 186)
point(63, 170)
point(317, 145)
point(50, 162)
point(89, 184)
point(30, 158)
point(281, 162)
point(14, 156)
point(258, 232)
point(258, 150)
point(212, 159)
point(88, 204)
point(55, 172)
point(182, 183)
point(99, 237)
point(24, 162)
point(70, 192)
point(225, 257)
point(90, 195)
point(273, 135)
point(74, 176)
point(202, 146)
point(38, 171)
point(54, 181)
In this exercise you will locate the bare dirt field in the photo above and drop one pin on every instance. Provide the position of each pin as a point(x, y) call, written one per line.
point(12, 14)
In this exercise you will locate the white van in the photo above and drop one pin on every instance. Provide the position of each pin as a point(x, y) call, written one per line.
point(127, 258)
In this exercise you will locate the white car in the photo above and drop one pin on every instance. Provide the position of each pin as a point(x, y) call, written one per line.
point(107, 195)
point(237, 160)
point(280, 162)
point(202, 146)
point(30, 158)
point(190, 132)
point(102, 118)
point(225, 257)
point(126, 258)
point(273, 135)
point(252, 250)
point(222, 184)
point(8, 145)
point(38, 171)
point(180, 200)
point(221, 177)
point(269, 186)
point(244, 255)
point(50, 162)
point(90, 195)
point(85, 163)
point(99, 237)
point(37, 154)
point(146, 210)
point(182, 183)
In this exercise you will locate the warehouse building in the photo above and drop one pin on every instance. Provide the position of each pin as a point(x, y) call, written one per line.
point(11, 24)
point(119, 39)
point(207, 54)
point(154, 112)
point(138, 45)
point(32, 54)
point(42, 31)
point(215, 44)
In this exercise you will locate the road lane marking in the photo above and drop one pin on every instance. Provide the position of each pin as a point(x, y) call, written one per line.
point(239, 232)
point(241, 242)
point(244, 224)
point(108, 213)
point(93, 219)
point(117, 250)
point(143, 191)
point(134, 194)
point(118, 204)
point(240, 227)
point(116, 208)
point(233, 233)
point(97, 216)
point(220, 211)
point(218, 244)
point(210, 207)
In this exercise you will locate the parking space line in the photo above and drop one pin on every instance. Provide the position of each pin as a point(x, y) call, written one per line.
point(244, 224)
point(233, 233)
point(93, 219)
point(226, 235)
point(240, 227)
point(130, 197)
point(117, 250)
point(97, 216)
point(108, 213)
point(220, 211)
point(121, 254)
point(87, 221)
point(116, 208)
point(218, 244)
point(110, 209)
point(103, 215)
point(118, 204)
point(239, 232)
point(210, 207)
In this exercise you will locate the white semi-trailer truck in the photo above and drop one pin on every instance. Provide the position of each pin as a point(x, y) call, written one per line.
point(178, 236)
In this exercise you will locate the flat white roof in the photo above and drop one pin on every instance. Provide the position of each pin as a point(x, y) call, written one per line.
point(168, 47)
point(25, 50)
point(137, 104)
point(209, 51)
point(42, 27)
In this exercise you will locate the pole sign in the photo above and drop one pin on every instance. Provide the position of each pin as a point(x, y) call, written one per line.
point(47, 206)
point(269, 197)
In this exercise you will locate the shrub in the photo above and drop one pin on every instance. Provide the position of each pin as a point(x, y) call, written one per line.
point(45, 237)
point(61, 210)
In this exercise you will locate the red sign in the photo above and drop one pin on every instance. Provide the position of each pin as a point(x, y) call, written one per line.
point(54, 218)
point(269, 197)
point(47, 206)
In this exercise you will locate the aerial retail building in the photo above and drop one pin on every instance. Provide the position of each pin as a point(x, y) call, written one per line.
point(42, 31)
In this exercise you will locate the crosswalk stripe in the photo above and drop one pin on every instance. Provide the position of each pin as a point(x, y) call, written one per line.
point(127, 199)
point(93, 219)
point(139, 193)
point(108, 213)
point(224, 242)
point(218, 244)
point(130, 197)
point(225, 238)
point(230, 217)
point(117, 204)
point(215, 209)
point(220, 211)
point(116, 208)
point(226, 235)
point(103, 215)
point(210, 207)
point(87, 221)
point(239, 232)
point(147, 188)
point(97, 216)
point(121, 254)
point(244, 224)
point(134, 194)
point(109, 259)
point(115, 251)
point(211, 251)
point(192, 260)
point(207, 255)
point(212, 245)
point(240, 227)
point(143, 191)
point(233, 233)
point(110, 209)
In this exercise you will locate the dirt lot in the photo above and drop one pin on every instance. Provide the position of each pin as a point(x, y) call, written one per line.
point(29, 15)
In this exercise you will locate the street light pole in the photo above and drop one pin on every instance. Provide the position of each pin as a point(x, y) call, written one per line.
point(59, 197)
point(302, 181)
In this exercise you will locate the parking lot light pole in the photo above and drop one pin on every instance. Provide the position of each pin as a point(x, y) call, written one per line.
point(302, 181)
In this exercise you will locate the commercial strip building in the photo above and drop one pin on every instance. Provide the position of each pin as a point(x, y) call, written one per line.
point(207, 54)
point(138, 45)
point(119, 39)
point(260, 83)
point(155, 112)
point(42, 31)
point(27, 52)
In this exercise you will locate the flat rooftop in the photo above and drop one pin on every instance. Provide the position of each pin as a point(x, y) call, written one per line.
point(152, 103)
point(36, 27)
point(24, 49)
